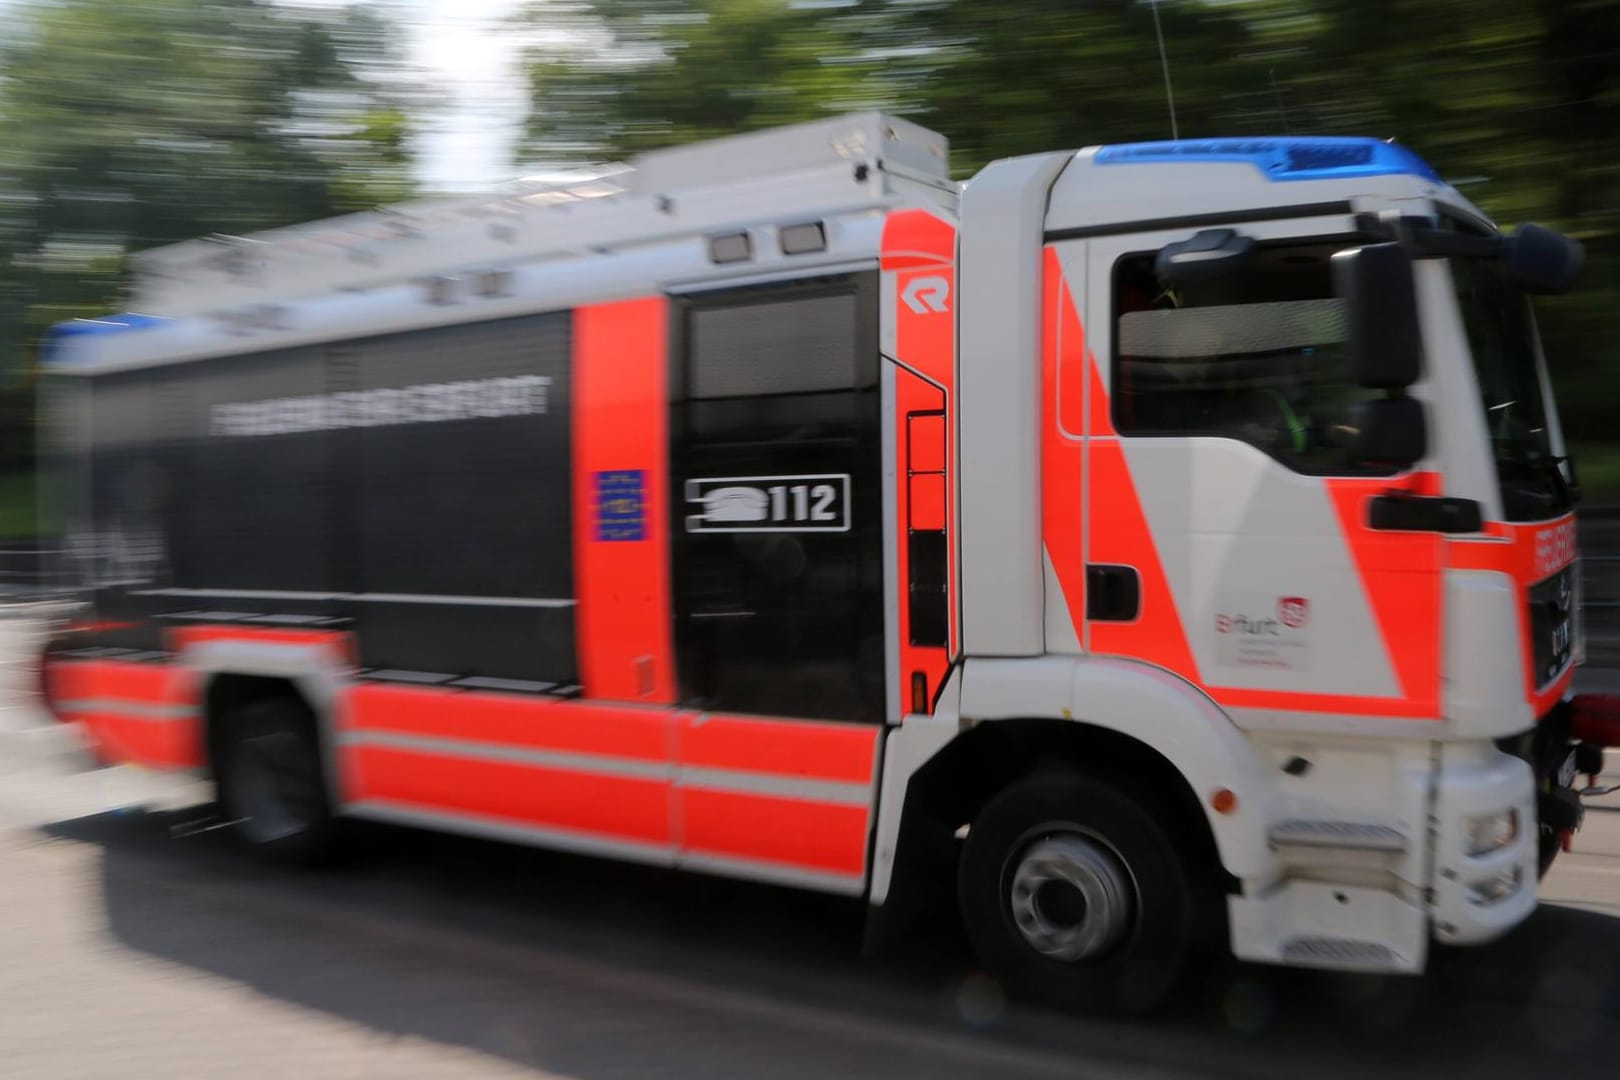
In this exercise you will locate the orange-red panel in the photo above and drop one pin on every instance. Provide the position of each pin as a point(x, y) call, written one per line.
point(921, 502)
point(1120, 536)
point(785, 831)
point(919, 249)
point(70, 680)
point(621, 558)
point(533, 723)
point(1528, 554)
point(1293, 701)
point(928, 443)
point(149, 684)
point(1063, 374)
point(158, 684)
point(522, 794)
point(928, 502)
point(167, 743)
point(1400, 574)
point(797, 748)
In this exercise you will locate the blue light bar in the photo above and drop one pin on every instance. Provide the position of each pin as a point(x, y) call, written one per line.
point(1290, 158)
point(63, 334)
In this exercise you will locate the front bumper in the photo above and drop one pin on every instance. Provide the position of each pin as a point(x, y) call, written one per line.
point(1478, 897)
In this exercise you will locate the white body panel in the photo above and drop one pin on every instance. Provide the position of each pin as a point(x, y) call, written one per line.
point(998, 391)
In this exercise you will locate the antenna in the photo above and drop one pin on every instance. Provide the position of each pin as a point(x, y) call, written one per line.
point(1165, 64)
point(1282, 110)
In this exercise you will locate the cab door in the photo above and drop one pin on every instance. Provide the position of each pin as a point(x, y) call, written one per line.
point(1226, 525)
point(775, 471)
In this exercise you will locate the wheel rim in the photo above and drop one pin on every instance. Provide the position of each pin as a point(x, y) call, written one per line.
point(277, 794)
point(1070, 897)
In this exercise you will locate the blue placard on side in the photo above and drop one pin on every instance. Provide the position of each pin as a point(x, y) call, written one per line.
point(621, 504)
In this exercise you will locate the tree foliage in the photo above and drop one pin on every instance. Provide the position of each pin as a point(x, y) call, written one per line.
point(125, 126)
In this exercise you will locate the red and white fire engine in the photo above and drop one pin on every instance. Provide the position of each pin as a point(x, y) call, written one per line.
point(1149, 547)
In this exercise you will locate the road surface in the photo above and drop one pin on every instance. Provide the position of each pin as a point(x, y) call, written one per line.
point(136, 947)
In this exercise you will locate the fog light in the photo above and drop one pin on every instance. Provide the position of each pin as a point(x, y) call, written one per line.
point(1491, 832)
point(1497, 887)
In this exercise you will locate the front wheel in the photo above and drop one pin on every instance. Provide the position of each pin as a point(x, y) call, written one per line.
point(267, 763)
point(1073, 894)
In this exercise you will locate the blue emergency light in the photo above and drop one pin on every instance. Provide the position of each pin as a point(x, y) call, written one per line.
point(1286, 158)
point(57, 337)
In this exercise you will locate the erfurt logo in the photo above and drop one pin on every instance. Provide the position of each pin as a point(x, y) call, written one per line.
point(1242, 624)
point(1555, 548)
point(1263, 633)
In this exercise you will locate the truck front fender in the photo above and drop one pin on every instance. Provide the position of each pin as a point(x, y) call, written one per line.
point(1161, 711)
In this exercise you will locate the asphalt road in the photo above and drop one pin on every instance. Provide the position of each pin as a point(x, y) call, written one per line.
point(134, 946)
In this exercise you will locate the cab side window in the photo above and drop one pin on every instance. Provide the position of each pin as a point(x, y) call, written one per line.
point(1257, 355)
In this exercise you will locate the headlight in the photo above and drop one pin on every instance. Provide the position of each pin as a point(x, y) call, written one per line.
point(1490, 832)
point(1497, 887)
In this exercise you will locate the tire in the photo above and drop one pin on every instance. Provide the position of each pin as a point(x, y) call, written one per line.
point(272, 786)
point(1030, 858)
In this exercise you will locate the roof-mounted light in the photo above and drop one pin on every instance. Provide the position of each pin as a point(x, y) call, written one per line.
point(1289, 158)
point(57, 337)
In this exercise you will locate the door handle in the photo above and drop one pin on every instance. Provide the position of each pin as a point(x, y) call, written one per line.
point(1424, 513)
point(1113, 593)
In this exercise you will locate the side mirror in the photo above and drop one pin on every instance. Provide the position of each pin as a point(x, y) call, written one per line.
point(1207, 255)
point(1385, 343)
point(1390, 433)
point(1542, 260)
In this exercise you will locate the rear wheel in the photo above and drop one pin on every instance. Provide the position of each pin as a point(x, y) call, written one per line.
point(271, 782)
point(1073, 894)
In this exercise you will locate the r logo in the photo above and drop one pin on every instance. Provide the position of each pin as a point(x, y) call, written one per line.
point(927, 294)
point(1294, 611)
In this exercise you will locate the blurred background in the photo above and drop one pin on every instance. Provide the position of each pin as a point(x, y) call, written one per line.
point(126, 124)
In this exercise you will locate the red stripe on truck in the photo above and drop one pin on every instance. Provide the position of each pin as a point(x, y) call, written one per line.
point(805, 749)
point(515, 792)
point(637, 734)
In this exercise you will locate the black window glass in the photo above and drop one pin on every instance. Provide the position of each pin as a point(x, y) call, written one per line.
point(1257, 355)
point(793, 346)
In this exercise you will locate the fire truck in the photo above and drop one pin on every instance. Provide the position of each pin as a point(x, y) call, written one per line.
point(1154, 551)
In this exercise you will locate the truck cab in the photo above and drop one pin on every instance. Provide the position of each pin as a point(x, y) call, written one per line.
point(1298, 477)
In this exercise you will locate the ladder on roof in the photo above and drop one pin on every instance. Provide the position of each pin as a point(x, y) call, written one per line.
point(827, 166)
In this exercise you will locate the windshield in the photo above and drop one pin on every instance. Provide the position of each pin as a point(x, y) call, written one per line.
point(1501, 338)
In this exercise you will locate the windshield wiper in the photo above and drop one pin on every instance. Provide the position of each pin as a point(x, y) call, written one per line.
point(1563, 493)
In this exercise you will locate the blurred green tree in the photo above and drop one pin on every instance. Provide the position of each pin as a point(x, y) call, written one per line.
point(126, 126)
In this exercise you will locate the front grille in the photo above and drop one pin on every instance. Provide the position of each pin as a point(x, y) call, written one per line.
point(1552, 624)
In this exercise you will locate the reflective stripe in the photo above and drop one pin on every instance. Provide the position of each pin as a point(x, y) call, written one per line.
point(811, 749)
point(752, 783)
point(134, 710)
point(515, 789)
point(718, 780)
point(618, 732)
point(484, 751)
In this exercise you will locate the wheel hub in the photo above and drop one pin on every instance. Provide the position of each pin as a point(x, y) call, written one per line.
point(274, 786)
point(1070, 898)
